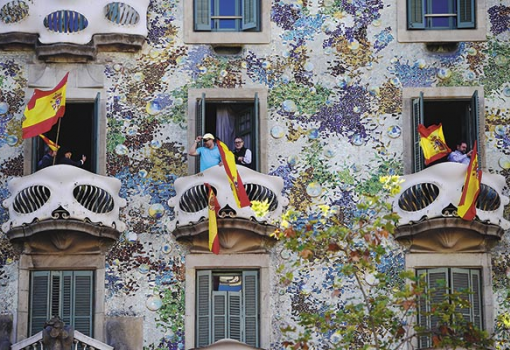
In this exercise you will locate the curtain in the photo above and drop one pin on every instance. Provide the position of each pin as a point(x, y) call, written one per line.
point(225, 125)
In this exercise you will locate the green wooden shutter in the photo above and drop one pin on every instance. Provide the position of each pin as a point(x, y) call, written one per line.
point(416, 14)
point(219, 324)
point(199, 124)
point(417, 118)
point(256, 147)
point(436, 291)
point(474, 123)
point(250, 14)
point(460, 283)
point(94, 161)
point(202, 13)
point(66, 296)
point(39, 301)
point(83, 311)
point(476, 298)
point(203, 308)
point(466, 13)
point(251, 308)
point(235, 316)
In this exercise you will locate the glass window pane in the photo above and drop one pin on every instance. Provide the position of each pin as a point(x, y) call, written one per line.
point(227, 7)
point(231, 282)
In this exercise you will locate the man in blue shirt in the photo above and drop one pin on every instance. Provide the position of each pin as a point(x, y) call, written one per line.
point(209, 153)
point(460, 155)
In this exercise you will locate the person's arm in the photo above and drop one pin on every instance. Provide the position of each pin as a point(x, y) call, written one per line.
point(247, 157)
point(457, 157)
point(193, 148)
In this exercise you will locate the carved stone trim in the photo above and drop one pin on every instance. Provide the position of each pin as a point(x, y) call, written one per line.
point(236, 236)
point(449, 235)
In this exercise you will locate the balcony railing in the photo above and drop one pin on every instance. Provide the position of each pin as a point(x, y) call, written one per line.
point(64, 192)
point(81, 341)
point(191, 200)
point(427, 206)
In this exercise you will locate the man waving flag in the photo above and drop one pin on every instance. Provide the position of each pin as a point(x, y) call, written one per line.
point(44, 109)
point(467, 204)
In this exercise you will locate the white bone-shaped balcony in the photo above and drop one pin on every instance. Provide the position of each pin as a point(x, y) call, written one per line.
point(191, 204)
point(427, 206)
point(64, 192)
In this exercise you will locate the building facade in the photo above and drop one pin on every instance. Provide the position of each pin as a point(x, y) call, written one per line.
point(327, 94)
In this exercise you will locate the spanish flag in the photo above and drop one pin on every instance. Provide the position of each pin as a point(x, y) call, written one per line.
point(236, 184)
point(44, 109)
point(214, 208)
point(467, 203)
point(432, 143)
point(52, 145)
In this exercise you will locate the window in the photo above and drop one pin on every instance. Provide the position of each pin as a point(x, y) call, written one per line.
point(227, 306)
point(227, 21)
point(457, 109)
point(437, 21)
point(442, 281)
point(457, 270)
point(78, 132)
point(203, 273)
point(227, 15)
point(441, 14)
point(67, 294)
point(229, 113)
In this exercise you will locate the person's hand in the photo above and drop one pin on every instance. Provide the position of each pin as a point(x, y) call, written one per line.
point(220, 163)
point(83, 158)
point(240, 159)
point(470, 153)
point(198, 139)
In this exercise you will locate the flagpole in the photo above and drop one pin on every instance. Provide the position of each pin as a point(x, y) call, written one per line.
point(56, 140)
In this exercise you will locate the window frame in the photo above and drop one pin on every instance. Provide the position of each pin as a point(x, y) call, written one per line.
point(231, 262)
point(404, 34)
point(481, 261)
point(263, 36)
point(236, 95)
point(75, 262)
point(79, 90)
point(437, 93)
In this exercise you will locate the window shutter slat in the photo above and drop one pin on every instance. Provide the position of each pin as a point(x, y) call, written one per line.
point(39, 301)
point(219, 325)
point(250, 14)
point(83, 302)
point(95, 134)
point(256, 142)
point(56, 297)
point(475, 119)
point(460, 283)
point(202, 14)
point(251, 307)
point(203, 307)
point(476, 298)
point(416, 14)
point(465, 13)
point(235, 316)
point(66, 291)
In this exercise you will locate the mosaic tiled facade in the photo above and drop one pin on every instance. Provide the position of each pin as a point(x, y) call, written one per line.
point(334, 72)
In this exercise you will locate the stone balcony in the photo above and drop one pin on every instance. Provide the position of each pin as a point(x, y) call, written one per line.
point(427, 206)
point(73, 29)
point(239, 229)
point(62, 205)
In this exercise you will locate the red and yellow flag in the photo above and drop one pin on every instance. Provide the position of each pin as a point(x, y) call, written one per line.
point(236, 184)
point(52, 145)
point(44, 109)
point(467, 204)
point(432, 143)
point(214, 208)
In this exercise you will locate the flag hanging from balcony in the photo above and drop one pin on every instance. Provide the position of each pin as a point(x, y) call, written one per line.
point(467, 204)
point(214, 208)
point(432, 143)
point(44, 109)
point(52, 145)
point(236, 184)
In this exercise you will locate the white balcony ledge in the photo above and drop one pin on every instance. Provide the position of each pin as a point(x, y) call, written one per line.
point(239, 229)
point(427, 206)
point(67, 200)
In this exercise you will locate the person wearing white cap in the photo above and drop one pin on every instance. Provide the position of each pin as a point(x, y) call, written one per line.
point(209, 152)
